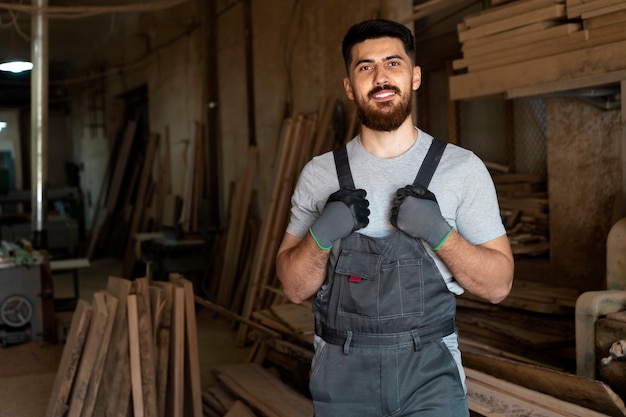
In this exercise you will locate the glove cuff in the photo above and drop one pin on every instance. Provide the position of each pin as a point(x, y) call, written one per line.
point(319, 245)
point(435, 248)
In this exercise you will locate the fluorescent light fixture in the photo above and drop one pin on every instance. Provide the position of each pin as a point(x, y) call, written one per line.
point(16, 66)
point(3, 125)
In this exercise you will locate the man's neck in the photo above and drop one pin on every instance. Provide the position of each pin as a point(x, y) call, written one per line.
point(389, 144)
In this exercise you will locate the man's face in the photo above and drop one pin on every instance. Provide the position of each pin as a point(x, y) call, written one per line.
point(381, 79)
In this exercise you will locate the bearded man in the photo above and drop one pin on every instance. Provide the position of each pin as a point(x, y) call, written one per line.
point(384, 232)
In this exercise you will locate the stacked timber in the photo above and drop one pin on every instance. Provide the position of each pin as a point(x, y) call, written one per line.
point(523, 201)
point(132, 351)
point(503, 42)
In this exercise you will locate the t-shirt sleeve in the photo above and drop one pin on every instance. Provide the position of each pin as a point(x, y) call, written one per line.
point(478, 216)
point(316, 182)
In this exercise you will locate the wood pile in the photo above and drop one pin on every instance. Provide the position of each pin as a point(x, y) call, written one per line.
point(133, 351)
point(524, 208)
point(501, 42)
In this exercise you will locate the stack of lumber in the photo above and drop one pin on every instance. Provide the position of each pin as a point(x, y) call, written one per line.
point(132, 351)
point(501, 42)
point(524, 209)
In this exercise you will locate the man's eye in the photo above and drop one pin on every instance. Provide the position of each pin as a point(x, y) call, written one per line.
point(394, 63)
point(365, 68)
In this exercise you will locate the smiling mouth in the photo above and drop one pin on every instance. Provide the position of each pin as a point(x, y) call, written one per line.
point(384, 92)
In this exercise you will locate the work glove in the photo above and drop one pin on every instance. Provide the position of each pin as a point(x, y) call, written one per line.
point(346, 211)
point(416, 212)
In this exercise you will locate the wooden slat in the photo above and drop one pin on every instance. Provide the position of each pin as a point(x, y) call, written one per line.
point(74, 344)
point(105, 340)
point(192, 358)
point(523, 19)
point(135, 355)
point(99, 318)
point(507, 11)
point(139, 206)
point(114, 394)
point(176, 381)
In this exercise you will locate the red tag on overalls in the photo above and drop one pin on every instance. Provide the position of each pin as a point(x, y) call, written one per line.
point(355, 278)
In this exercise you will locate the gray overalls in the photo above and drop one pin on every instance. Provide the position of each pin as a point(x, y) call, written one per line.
point(383, 313)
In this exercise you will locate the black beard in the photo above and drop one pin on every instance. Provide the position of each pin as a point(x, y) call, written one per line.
point(384, 117)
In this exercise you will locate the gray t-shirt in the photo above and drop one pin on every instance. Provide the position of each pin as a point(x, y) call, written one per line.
point(462, 185)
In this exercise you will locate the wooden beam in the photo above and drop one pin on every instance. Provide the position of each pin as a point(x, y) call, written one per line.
point(623, 122)
point(564, 85)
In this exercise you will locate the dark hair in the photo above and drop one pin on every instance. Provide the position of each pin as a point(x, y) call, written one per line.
point(374, 29)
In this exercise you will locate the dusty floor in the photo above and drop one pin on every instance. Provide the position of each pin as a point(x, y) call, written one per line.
point(28, 370)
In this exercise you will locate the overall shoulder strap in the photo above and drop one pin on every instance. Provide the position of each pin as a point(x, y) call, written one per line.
point(431, 161)
point(343, 168)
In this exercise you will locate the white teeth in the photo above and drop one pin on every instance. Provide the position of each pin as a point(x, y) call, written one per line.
point(384, 95)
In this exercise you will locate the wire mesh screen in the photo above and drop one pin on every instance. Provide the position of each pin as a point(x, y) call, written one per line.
point(529, 133)
point(512, 133)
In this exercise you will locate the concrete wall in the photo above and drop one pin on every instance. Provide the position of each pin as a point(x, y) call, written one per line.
point(584, 175)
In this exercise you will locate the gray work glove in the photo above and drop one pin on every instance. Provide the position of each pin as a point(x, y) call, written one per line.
point(416, 212)
point(345, 211)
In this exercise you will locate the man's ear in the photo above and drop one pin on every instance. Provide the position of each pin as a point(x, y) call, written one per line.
point(417, 77)
point(348, 88)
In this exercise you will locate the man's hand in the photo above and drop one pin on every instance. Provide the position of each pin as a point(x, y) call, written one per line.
point(416, 212)
point(345, 211)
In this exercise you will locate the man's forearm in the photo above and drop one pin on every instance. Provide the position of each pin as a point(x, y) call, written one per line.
point(301, 267)
point(485, 270)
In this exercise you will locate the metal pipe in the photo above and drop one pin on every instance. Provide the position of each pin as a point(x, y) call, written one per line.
point(39, 123)
point(589, 307)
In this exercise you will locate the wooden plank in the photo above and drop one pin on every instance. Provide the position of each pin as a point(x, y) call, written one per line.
point(262, 253)
point(507, 11)
point(584, 392)
point(507, 399)
point(99, 318)
point(163, 329)
point(605, 20)
point(237, 222)
point(192, 357)
point(519, 40)
point(298, 317)
point(147, 358)
point(596, 80)
point(523, 19)
point(429, 7)
point(114, 393)
point(528, 30)
point(79, 327)
point(185, 216)
point(559, 67)
point(176, 381)
point(263, 391)
point(621, 211)
point(96, 377)
point(135, 356)
point(239, 409)
point(576, 11)
point(139, 206)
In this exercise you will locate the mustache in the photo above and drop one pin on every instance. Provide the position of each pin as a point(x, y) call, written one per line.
point(380, 88)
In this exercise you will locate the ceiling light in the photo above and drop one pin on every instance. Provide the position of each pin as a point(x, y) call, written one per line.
point(16, 66)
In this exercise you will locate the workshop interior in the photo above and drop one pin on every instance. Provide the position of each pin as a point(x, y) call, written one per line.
point(165, 138)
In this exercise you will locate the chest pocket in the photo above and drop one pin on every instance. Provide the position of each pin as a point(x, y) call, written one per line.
point(375, 288)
